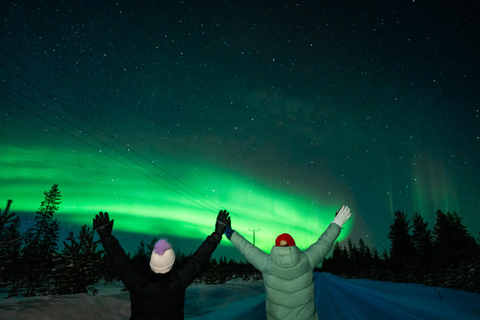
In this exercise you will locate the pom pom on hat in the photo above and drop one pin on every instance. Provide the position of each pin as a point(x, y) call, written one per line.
point(161, 246)
point(284, 240)
point(163, 257)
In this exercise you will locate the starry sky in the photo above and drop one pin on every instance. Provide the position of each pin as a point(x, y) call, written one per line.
point(164, 112)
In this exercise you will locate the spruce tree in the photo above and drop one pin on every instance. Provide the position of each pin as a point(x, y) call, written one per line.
point(40, 249)
point(352, 269)
point(6, 217)
point(151, 245)
point(364, 259)
point(453, 243)
point(9, 244)
point(109, 273)
point(401, 244)
point(333, 264)
point(141, 259)
point(422, 247)
point(378, 271)
point(80, 264)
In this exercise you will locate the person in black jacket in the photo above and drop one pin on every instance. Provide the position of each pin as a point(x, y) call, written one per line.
point(157, 291)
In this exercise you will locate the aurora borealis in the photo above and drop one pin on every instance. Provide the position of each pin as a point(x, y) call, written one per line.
point(164, 113)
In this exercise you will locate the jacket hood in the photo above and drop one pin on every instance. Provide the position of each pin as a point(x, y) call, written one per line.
point(285, 256)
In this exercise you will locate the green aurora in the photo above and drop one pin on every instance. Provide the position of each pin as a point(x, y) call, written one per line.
point(279, 114)
point(160, 208)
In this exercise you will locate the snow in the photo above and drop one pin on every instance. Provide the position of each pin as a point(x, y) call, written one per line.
point(336, 298)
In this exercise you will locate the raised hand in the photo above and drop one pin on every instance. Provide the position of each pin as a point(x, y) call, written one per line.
point(221, 223)
point(102, 224)
point(342, 215)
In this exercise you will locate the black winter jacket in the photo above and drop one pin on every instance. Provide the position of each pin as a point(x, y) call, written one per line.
point(153, 295)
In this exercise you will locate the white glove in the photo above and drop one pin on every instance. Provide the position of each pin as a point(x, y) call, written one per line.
point(342, 215)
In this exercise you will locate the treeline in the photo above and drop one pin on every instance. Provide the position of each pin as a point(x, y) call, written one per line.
point(32, 264)
point(215, 272)
point(447, 255)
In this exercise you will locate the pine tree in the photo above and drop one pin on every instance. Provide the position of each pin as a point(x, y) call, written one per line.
point(141, 249)
point(378, 271)
point(109, 273)
point(9, 251)
point(180, 256)
point(422, 247)
point(9, 244)
point(401, 244)
point(80, 264)
point(140, 258)
point(456, 253)
point(6, 217)
point(452, 241)
point(353, 254)
point(40, 249)
point(333, 264)
point(364, 259)
point(151, 245)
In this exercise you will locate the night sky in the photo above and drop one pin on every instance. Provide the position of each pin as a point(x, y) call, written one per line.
point(164, 112)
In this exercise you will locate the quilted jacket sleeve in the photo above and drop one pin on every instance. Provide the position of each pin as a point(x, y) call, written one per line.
point(255, 256)
point(317, 251)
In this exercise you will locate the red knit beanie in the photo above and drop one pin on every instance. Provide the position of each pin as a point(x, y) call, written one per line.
point(285, 237)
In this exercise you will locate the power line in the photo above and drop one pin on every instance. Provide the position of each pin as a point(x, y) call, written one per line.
point(97, 128)
point(94, 147)
point(105, 144)
point(193, 198)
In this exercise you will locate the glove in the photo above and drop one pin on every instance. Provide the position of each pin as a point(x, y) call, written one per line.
point(228, 229)
point(221, 223)
point(103, 225)
point(342, 215)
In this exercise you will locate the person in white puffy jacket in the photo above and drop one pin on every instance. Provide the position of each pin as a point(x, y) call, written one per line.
point(288, 271)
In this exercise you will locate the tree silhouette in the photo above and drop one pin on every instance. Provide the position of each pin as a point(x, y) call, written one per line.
point(40, 249)
point(141, 258)
point(401, 243)
point(364, 259)
point(453, 243)
point(80, 264)
point(9, 244)
point(30, 264)
point(422, 246)
point(151, 245)
point(352, 268)
point(6, 216)
point(337, 263)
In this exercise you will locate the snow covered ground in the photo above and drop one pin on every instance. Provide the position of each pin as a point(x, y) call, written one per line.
point(336, 299)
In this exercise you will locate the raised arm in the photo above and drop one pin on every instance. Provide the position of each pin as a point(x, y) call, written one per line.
point(122, 264)
point(192, 268)
point(317, 251)
point(255, 256)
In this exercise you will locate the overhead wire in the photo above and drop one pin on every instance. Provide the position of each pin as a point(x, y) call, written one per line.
point(191, 197)
point(104, 132)
point(93, 146)
point(108, 146)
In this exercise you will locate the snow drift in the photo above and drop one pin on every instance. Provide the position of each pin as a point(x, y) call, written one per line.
point(336, 298)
